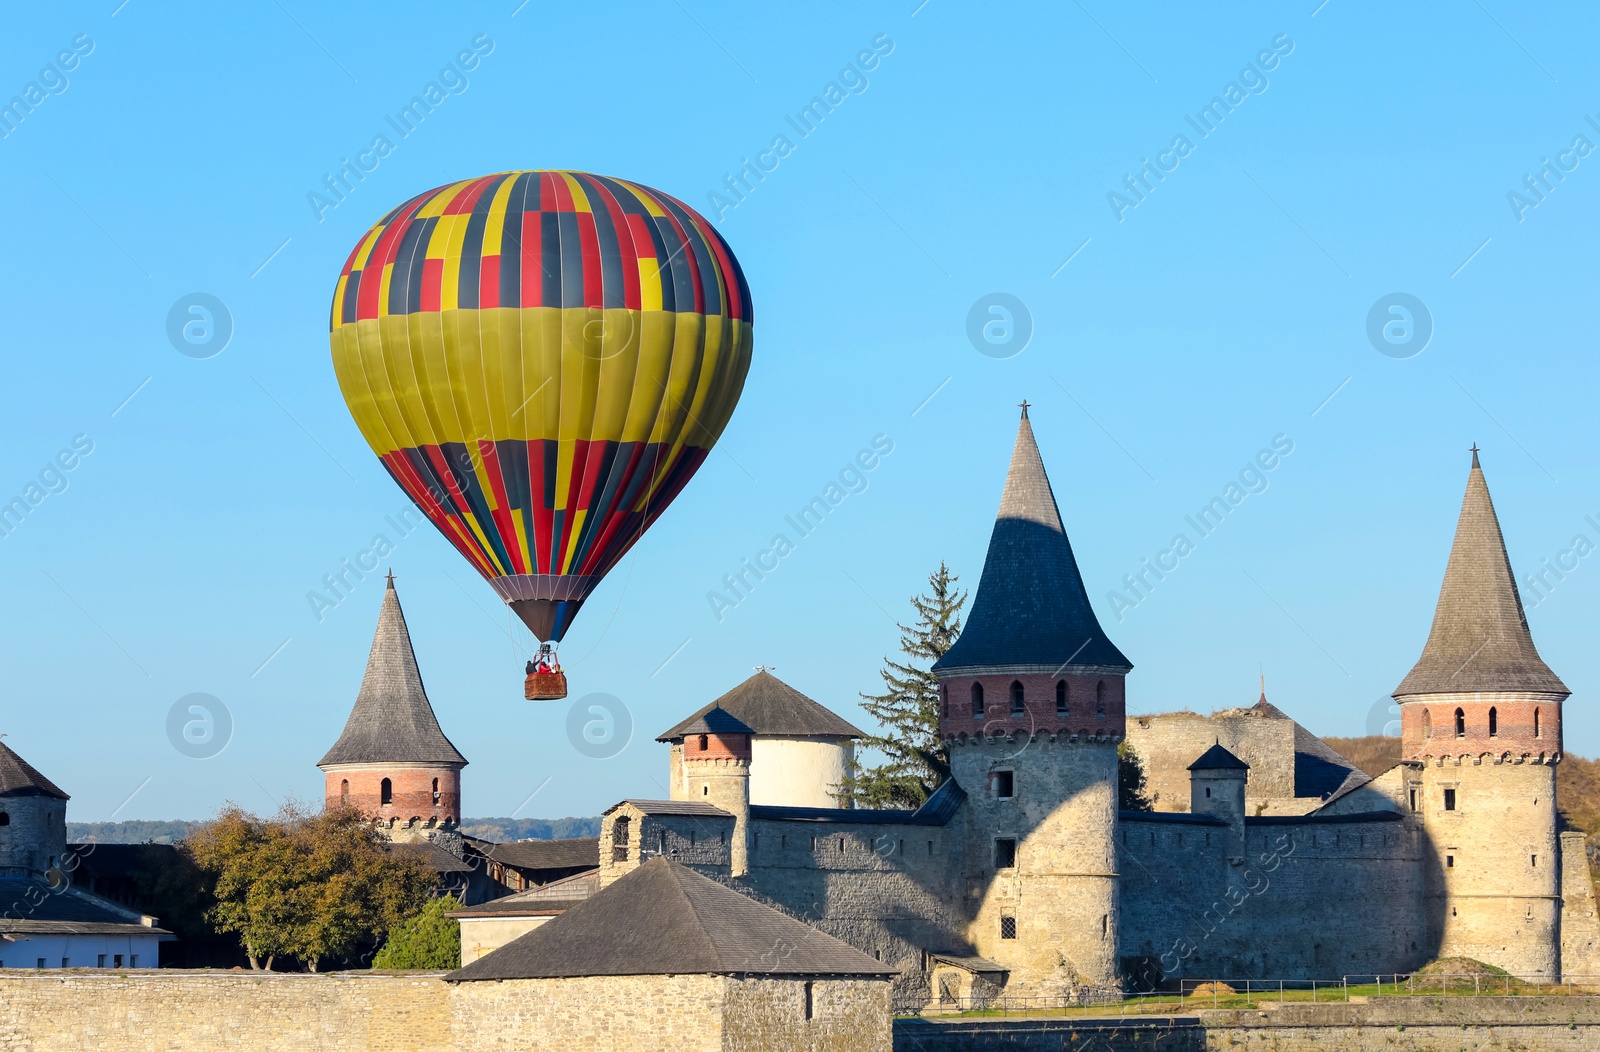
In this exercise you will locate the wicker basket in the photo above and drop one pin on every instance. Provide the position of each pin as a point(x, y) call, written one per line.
point(545, 686)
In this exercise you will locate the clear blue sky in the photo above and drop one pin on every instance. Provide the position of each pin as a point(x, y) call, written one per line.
point(977, 157)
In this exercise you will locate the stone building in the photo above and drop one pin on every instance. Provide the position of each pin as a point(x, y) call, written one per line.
point(664, 957)
point(46, 920)
point(1272, 858)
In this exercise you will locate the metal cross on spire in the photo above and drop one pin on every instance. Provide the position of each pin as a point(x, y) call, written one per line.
point(1475, 454)
point(1024, 404)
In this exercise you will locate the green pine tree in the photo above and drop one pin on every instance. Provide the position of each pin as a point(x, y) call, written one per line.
point(428, 940)
point(1131, 780)
point(912, 758)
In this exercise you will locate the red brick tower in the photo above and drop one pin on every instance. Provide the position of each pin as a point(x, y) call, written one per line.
point(393, 762)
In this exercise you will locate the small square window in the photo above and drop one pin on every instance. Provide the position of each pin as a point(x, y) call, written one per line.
point(1008, 926)
point(1005, 853)
point(66, 962)
point(1449, 862)
point(116, 960)
point(41, 962)
point(1449, 799)
point(100, 961)
point(1005, 784)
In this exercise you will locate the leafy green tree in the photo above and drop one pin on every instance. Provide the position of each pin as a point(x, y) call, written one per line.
point(428, 940)
point(912, 760)
point(1131, 780)
point(302, 885)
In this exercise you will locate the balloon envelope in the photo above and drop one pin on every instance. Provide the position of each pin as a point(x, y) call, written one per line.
point(542, 360)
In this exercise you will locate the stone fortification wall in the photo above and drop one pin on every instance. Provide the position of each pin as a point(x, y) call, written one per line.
point(1169, 743)
point(256, 1012)
point(1580, 919)
point(1313, 899)
point(205, 1011)
point(888, 890)
point(1529, 1024)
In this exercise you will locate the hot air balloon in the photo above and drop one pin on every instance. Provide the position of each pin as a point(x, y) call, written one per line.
point(542, 360)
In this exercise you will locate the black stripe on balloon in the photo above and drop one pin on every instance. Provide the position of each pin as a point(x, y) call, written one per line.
point(470, 274)
point(352, 290)
point(458, 460)
point(511, 244)
point(571, 261)
point(550, 259)
point(677, 280)
point(605, 229)
point(405, 279)
point(599, 504)
point(706, 263)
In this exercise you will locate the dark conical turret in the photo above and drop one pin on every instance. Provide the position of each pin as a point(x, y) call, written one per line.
point(1480, 640)
point(1031, 607)
point(392, 721)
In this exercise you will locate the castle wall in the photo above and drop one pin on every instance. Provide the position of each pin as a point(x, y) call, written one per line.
point(1169, 743)
point(181, 1011)
point(887, 890)
point(701, 842)
point(1311, 900)
point(1580, 920)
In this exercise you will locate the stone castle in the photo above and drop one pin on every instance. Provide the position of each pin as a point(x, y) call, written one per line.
point(1268, 855)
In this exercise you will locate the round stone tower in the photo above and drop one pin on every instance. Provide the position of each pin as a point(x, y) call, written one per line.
point(716, 771)
point(1033, 708)
point(33, 819)
point(1481, 734)
point(392, 762)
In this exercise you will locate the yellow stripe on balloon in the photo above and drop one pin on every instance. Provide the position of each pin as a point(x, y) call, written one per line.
point(580, 200)
point(495, 223)
point(649, 283)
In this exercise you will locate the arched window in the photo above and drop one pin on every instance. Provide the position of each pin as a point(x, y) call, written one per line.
point(705, 742)
point(944, 700)
point(1016, 698)
point(1100, 698)
point(1427, 724)
point(1535, 730)
point(619, 838)
point(977, 700)
point(436, 792)
point(1494, 723)
point(1061, 697)
point(1461, 724)
point(5, 818)
point(386, 792)
point(344, 792)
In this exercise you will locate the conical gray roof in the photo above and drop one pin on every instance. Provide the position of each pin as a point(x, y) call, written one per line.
point(392, 721)
point(767, 705)
point(1480, 639)
point(1031, 607)
point(18, 777)
point(1218, 758)
point(665, 919)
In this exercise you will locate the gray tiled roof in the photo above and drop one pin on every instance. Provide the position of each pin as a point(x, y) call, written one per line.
point(682, 808)
point(37, 908)
point(1031, 607)
point(19, 778)
point(665, 919)
point(937, 810)
point(714, 721)
point(768, 705)
point(1480, 639)
point(1218, 758)
point(392, 721)
point(547, 854)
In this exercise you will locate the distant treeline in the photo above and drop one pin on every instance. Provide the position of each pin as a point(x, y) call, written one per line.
point(146, 831)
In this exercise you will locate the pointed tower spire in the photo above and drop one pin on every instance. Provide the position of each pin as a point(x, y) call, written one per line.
point(392, 721)
point(1480, 640)
point(1031, 607)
